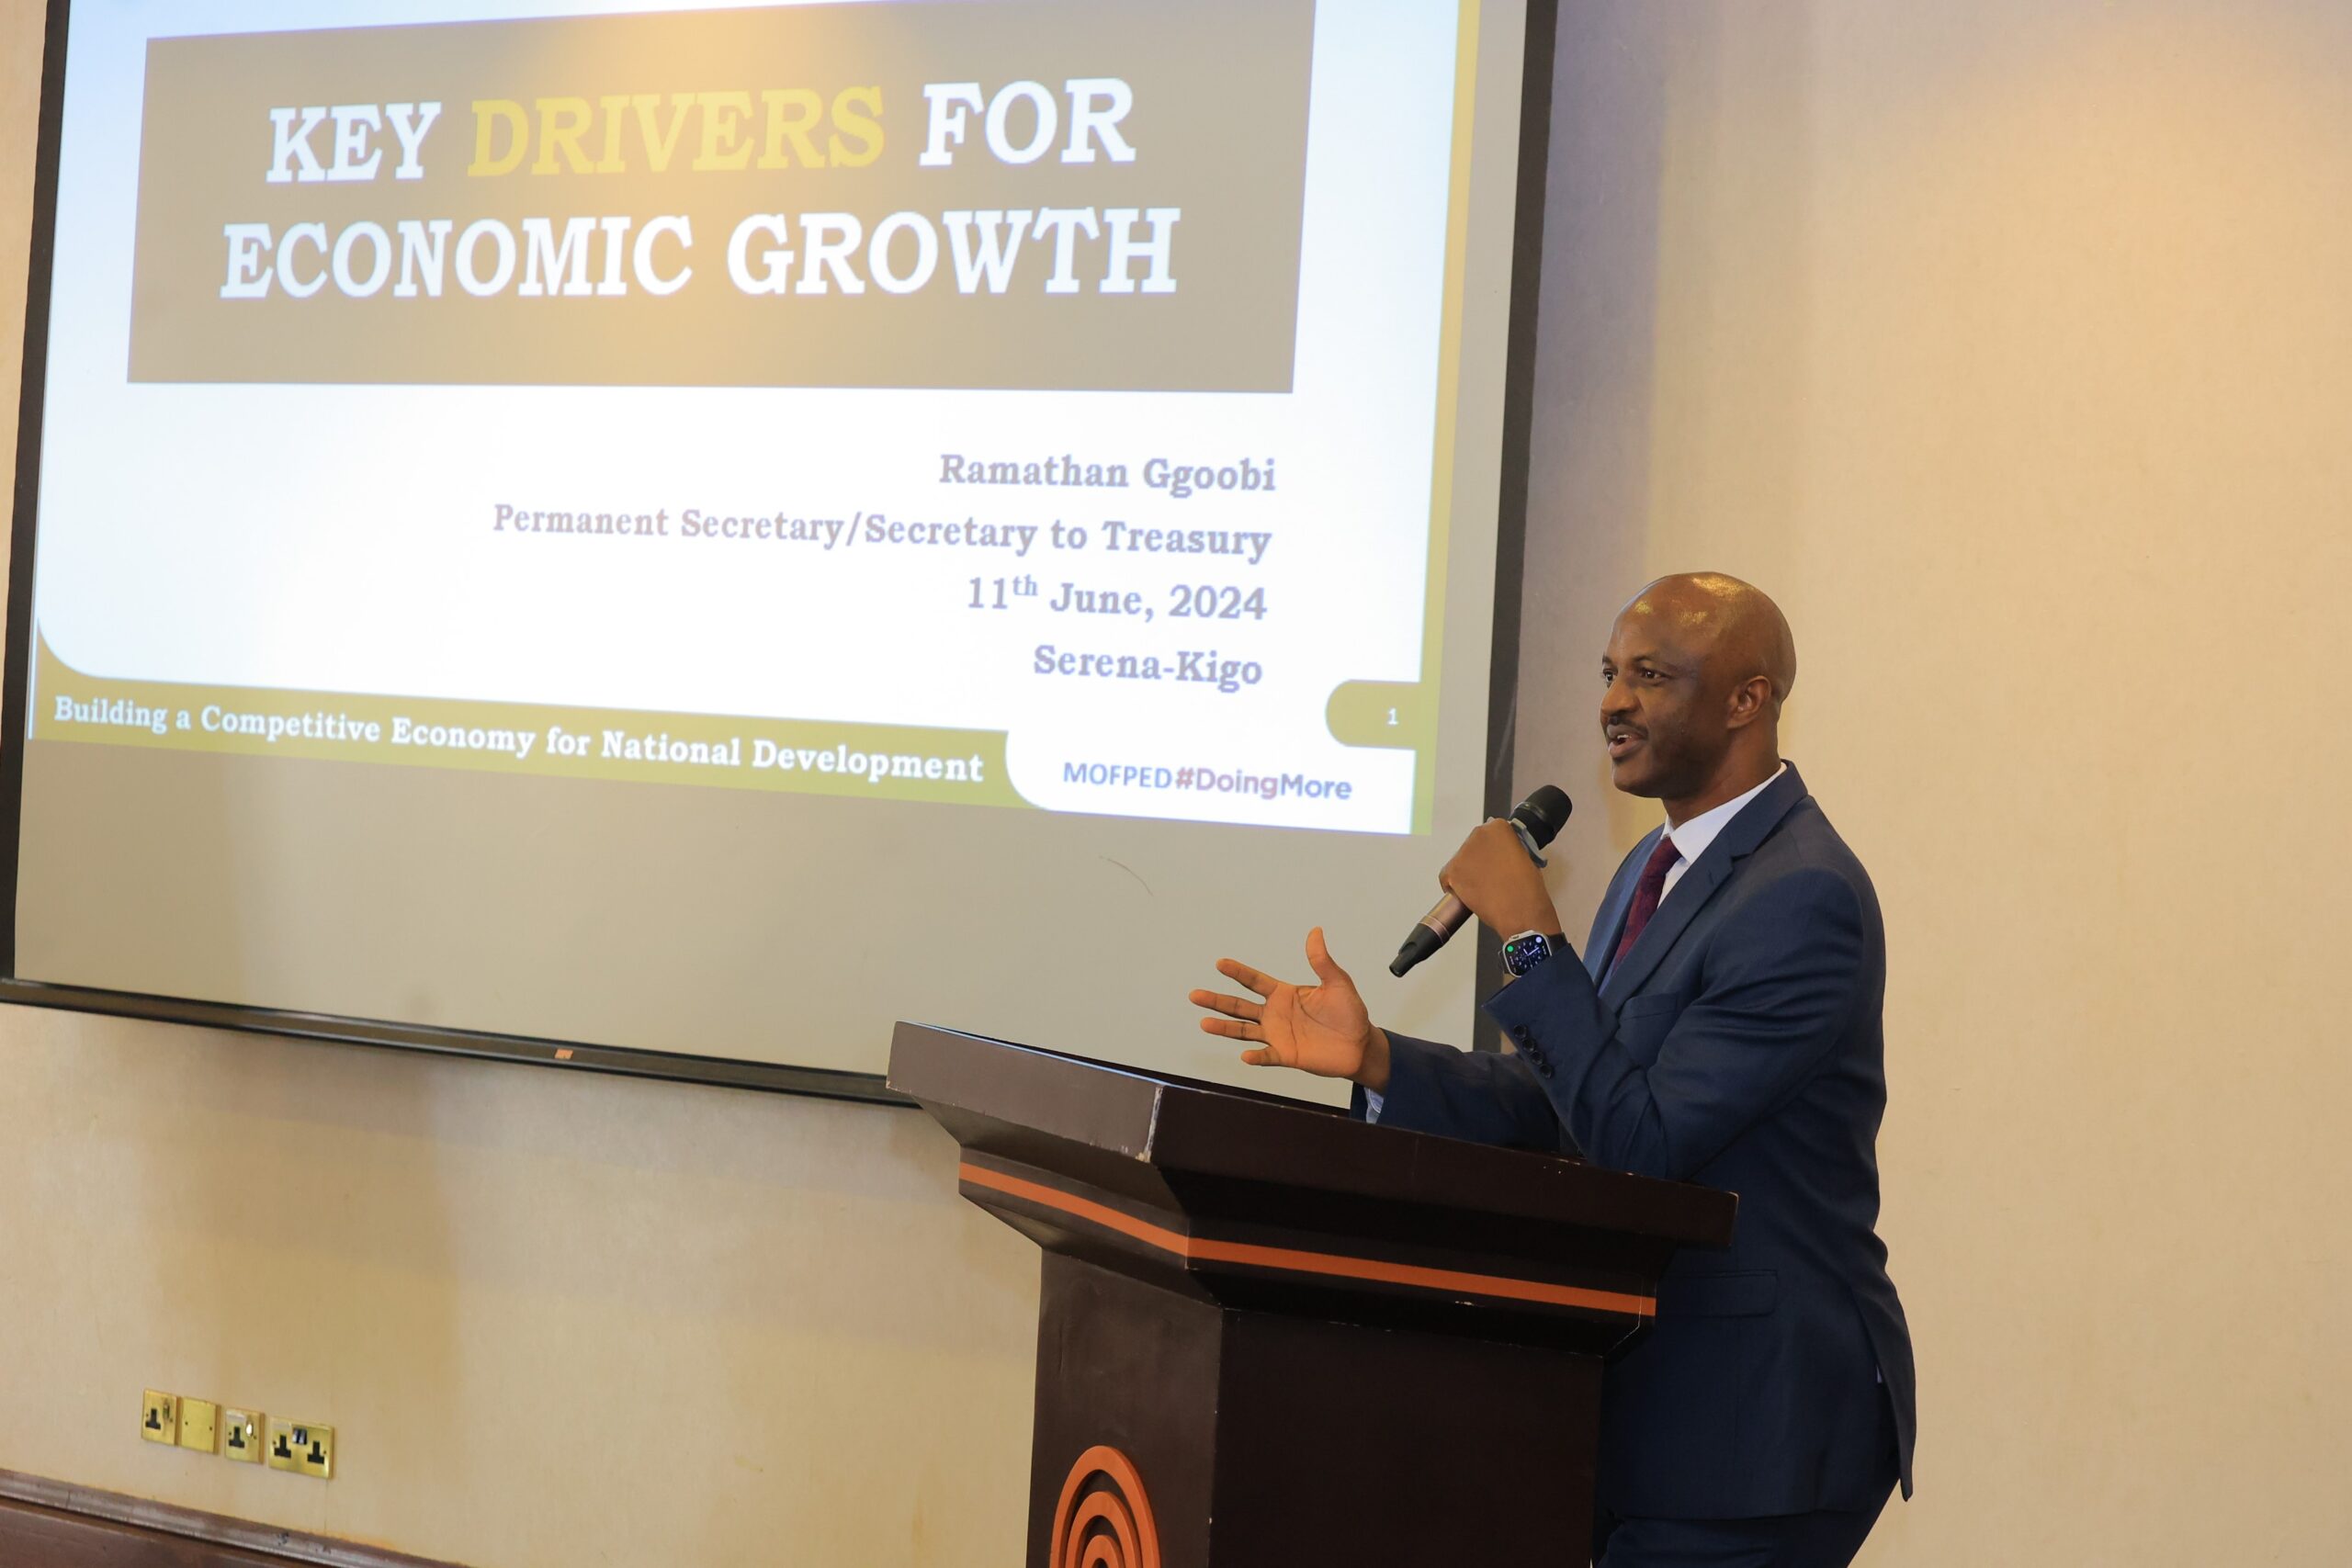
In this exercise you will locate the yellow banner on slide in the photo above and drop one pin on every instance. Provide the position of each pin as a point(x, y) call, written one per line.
point(796, 756)
point(1064, 193)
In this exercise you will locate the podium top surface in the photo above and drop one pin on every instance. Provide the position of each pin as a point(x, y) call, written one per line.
point(1053, 1110)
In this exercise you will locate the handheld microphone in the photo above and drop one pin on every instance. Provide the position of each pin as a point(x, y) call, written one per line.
point(1539, 819)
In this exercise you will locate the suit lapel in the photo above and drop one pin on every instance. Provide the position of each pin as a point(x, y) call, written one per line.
point(1608, 921)
point(1674, 916)
point(1735, 842)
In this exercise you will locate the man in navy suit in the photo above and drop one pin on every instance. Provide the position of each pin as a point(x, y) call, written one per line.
point(1723, 1028)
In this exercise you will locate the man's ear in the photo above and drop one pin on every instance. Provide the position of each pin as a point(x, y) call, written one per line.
point(1751, 700)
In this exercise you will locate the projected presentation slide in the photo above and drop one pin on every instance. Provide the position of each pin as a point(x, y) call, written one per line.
point(583, 521)
point(1029, 404)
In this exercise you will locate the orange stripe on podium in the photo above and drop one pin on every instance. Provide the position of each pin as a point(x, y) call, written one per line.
point(1200, 1249)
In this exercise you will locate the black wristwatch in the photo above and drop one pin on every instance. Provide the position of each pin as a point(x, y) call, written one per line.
point(1528, 949)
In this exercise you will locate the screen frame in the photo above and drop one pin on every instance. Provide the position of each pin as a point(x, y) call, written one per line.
point(1502, 689)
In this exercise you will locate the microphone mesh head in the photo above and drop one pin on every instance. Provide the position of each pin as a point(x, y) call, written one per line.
point(1544, 813)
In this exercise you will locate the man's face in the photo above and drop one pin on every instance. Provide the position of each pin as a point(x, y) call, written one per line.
point(1664, 723)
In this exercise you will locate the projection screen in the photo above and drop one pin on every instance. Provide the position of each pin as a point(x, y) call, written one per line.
point(667, 538)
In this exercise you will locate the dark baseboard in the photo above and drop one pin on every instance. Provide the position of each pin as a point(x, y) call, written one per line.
point(52, 1524)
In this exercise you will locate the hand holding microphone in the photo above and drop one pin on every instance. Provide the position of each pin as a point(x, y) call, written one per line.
point(1496, 875)
point(1324, 1028)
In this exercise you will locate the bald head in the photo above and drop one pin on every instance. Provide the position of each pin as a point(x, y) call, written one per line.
point(1728, 623)
point(1697, 669)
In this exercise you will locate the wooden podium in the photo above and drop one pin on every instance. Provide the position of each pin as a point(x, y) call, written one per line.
point(1272, 1336)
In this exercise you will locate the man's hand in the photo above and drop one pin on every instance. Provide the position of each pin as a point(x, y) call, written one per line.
point(1493, 873)
point(1322, 1028)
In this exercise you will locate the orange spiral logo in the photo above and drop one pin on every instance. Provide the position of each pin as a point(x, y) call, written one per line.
point(1104, 1519)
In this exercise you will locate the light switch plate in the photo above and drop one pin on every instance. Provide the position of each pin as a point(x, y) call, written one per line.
point(301, 1448)
point(199, 1425)
point(159, 1417)
point(241, 1436)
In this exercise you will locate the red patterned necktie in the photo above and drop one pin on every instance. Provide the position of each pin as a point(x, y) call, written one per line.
point(1646, 892)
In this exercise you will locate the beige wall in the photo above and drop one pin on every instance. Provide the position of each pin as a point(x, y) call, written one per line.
point(2009, 342)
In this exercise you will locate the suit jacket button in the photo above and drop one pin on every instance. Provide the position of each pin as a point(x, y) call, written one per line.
point(1545, 1068)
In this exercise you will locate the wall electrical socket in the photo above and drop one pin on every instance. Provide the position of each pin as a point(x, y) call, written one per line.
point(159, 1417)
point(298, 1446)
point(241, 1436)
point(199, 1425)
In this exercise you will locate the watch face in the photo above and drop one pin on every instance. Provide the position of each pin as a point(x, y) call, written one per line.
point(1522, 953)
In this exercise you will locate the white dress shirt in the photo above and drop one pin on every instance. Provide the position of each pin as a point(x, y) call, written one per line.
point(1691, 841)
point(1691, 837)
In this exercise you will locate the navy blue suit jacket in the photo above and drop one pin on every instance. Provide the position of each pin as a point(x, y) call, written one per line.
point(1738, 1045)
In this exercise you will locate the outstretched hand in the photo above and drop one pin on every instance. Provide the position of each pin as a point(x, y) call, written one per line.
point(1322, 1028)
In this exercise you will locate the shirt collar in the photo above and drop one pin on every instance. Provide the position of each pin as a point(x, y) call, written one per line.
point(1691, 837)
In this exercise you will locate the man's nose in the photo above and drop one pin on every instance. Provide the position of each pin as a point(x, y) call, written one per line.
point(1617, 702)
